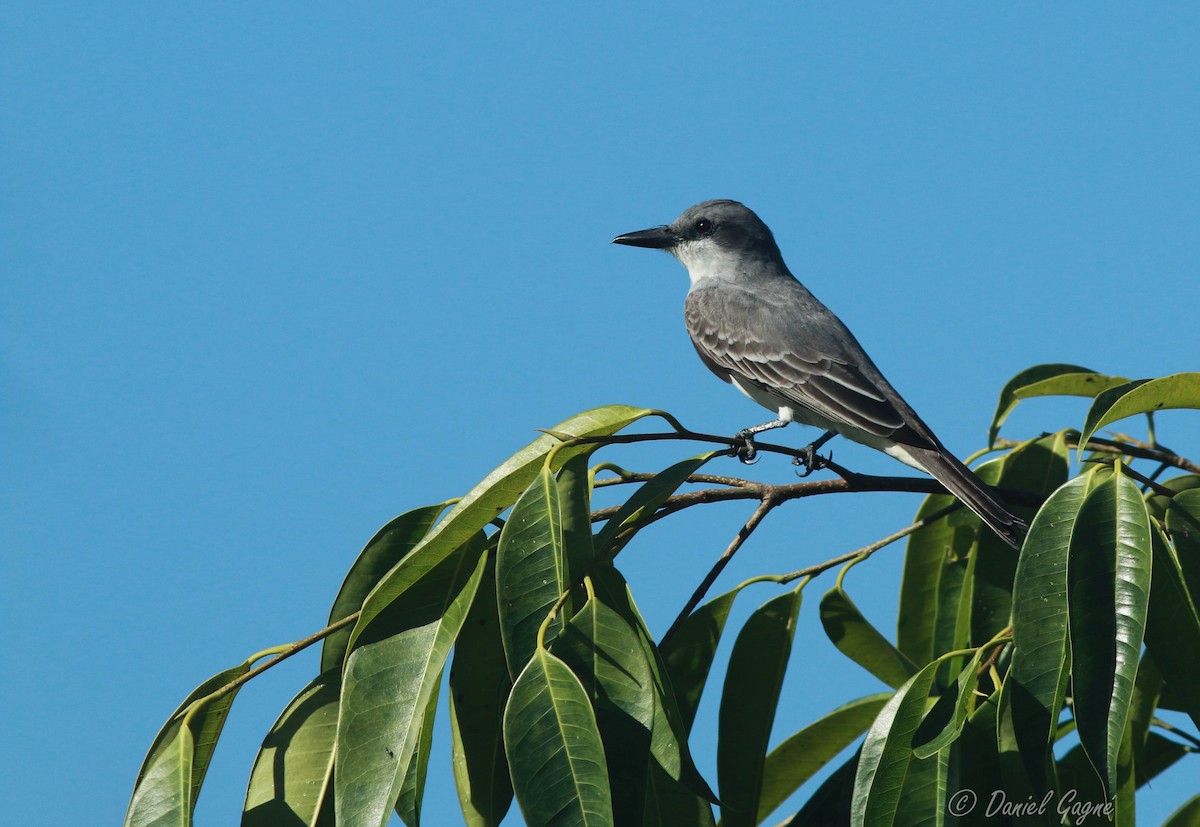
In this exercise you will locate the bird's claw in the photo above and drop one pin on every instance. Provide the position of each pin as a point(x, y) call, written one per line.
point(811, 460)
point(747, 451)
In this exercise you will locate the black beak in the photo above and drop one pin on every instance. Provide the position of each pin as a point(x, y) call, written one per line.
point(658, 238)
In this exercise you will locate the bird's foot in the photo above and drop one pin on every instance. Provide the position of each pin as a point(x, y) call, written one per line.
point(746, 451)
point(811, 460)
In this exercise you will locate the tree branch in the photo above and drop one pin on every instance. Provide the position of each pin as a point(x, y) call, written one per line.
point(1157, 453)
point(288, 651)
point(760, 513)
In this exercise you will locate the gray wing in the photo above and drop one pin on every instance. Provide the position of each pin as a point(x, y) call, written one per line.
point(784, 340)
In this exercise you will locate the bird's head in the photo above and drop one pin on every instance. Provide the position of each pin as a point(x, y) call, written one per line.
point(713, 239)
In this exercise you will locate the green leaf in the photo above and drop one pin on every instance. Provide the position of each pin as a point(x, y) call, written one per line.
point(1077, 775)
point(412, 789)
point(802, 755)
point(688, 655)
point(1037, 467)
point(976, 760)
point(1048, 380)
point(163, 795)
point(1173, 629)
point(554, 748)
point(575, 504)
point(953, 707)
point(1159, 755)
point(607, 647)
point(479, 688)
point(647, 498)
point(923, 796)
point(1147, 688)
point(390, 675)
point(933, 566)
point(887, 752)
point(612, 590)
point(1182, 390)
point(831, 803)
point(670, 803)
point(530, 569)
point(292, 778)
point(858, 640)
point(1108, 587)
point(604, 653)
point(1041, 655)
point(387, 548)
point(489, 498)
point(173, 771)
point(1188, 815)
point(749, 699)
point(1125, 811)
point(1183, 525)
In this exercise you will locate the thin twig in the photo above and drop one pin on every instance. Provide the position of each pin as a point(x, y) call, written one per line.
point(796, 490)
point(1148, 482)
point(291, 649)
point(1184, 734)
point(1141, 451)
point(867, 551)
point(764, 507)
point(705, 479)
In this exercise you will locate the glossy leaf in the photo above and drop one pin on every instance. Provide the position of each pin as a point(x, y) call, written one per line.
point(1048, 380)
point(575, 505)
point(292, 778)
point(688, 655)
point(749, 700)
point(832, 801)
point(1036, 467)
point(1147, 689)
point(1108, 583)
point(387, 548)
point(923, 796)
point(954, 707)
point(858, 640)
point(1124, 807)
point(530, 569)
point(647, 498)
point(887, 752)
point(670, 803)
point(1041, 644)
point(604, 653)
point(479, 688)
point(554, 748)
point(1182, 390)
point(803, 754)
point(173, 771)
point(931, 550)
point(1183, 526)
point(612, 590)
point(1173, 629)
point(389, 677)
point(412, 788)
point(976, 760)
point(483, 503)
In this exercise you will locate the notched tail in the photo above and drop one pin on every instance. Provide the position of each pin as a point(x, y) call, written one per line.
point(974, 494)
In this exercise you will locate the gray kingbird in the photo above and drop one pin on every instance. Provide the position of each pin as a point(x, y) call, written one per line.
point(757, 327)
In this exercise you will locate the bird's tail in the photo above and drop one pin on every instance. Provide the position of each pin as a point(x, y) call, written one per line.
point(962, 483)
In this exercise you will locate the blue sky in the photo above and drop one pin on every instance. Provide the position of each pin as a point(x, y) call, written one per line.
point(274, 274)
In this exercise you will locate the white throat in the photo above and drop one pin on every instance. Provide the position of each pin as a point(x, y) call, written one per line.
point(706, 260)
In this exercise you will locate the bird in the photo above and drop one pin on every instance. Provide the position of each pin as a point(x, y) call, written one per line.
point(758, 328)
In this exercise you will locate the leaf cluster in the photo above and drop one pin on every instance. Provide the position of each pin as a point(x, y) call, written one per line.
point(1032, 673)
